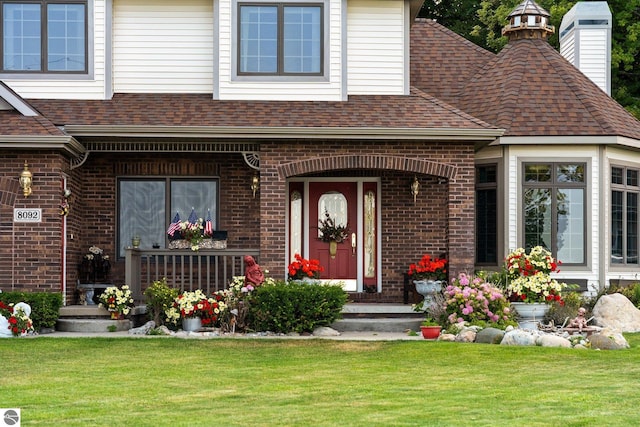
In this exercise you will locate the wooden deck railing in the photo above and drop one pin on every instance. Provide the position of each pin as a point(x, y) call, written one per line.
point(184, 269)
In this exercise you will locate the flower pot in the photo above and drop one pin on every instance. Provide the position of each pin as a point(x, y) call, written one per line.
point(430, 332)
point(530, 314)
point(428, 289)
point(191, 324)
point(135, 241)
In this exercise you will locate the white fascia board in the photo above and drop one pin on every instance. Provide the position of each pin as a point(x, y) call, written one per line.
point(11, 98)
point(284, 132)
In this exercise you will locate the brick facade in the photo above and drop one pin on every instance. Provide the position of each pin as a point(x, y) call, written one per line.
point(441, 220)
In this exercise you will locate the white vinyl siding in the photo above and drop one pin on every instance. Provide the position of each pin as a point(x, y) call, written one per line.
point(163, 46)
point(376, 47)
point(592, 56)
point(327, 87)
point(76, 86)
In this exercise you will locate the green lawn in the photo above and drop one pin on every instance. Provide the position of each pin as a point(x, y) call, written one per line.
point(263, 382)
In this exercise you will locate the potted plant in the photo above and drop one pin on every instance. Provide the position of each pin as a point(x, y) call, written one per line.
point(529, 284)
point(117, 301)
point(332, 233)
point(304, 269)
point(430, 329)
point(195, 310)
point(428, 275)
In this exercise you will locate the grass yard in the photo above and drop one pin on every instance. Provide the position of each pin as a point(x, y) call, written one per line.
point(268, 382)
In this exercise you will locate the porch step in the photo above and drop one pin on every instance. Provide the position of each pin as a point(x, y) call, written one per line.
point(378, 318)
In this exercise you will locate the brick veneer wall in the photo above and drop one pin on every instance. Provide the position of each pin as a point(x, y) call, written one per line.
point(30, 253)
point(238, 210)
point(440, 221)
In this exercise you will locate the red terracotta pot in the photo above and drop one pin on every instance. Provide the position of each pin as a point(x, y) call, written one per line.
point(430, 332)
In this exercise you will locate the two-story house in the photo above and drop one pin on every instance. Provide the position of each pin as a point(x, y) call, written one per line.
point(268, 115)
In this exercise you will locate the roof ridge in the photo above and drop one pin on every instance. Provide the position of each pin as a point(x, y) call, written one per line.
point(452, 34)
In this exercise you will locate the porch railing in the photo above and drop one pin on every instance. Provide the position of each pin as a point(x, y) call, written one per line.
point(186, 270)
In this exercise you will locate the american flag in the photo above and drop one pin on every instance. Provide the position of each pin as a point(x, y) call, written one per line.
point(174, 226)
point(193, 217)
point(208, 225)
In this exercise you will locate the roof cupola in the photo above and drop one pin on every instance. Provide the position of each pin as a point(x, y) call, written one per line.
point(528, 21)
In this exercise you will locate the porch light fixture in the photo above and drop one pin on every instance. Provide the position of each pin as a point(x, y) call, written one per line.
point(255, 181)
point(415, 188)
point(26, 179)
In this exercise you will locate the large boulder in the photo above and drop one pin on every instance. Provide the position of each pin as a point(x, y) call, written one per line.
point(490, 336)
point(616, 312)
point(608, 340)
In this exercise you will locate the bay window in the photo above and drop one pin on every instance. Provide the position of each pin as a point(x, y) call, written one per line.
point(554, 206)
point(624, 215)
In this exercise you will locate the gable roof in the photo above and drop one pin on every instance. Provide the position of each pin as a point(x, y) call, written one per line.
point(417, 115)
point(529, 89)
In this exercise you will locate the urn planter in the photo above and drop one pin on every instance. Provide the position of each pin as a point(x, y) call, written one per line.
point(530, 314)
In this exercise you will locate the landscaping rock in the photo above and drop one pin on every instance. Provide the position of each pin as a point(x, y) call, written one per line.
point(447, 337)
point(325, 331)
point(607, 340)
point(548, 340)
point(490, 336)
point(163, 330)
point(519, 337)
point(466, 335)
point(616, 312)
point(144, 329)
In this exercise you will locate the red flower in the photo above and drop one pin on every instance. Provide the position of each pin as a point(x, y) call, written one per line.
point(13, 320)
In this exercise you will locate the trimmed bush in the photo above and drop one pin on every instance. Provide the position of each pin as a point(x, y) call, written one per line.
point(45, 306)
point(295, 307)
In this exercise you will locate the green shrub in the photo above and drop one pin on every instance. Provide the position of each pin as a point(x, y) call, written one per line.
point(632, 292)
point(159, 297)
point(45, 306)
point(295, 307)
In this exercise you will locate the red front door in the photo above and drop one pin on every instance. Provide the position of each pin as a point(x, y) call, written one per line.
point(339, 199)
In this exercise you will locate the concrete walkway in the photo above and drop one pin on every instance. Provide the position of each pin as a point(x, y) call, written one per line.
point(344, 336)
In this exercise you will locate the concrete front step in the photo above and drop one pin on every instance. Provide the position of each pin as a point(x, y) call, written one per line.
point(91, 325)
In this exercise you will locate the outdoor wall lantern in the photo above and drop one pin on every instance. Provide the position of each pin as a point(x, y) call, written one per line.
point(415, 188)
point(26, 179)
point(255, 181)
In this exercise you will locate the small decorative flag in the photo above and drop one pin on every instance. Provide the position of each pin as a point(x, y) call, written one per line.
point(174, 226)
point(208, 225)
point(193, 217)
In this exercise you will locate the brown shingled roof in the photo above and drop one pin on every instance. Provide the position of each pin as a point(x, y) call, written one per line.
point(415, 111)
point(13, 123)
point(529, 89)
point(442, 62)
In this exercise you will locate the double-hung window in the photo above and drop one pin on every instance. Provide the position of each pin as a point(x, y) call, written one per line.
point(146, 207)
point(625, 188)
point(43, 36)
point(554, 207)
point(280, 39)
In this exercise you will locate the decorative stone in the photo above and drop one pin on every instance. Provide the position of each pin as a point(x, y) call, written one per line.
point(447, 337)
point(608, 341)
point(144, 329)
point(325, 331)
point(490, 336)
point(549, 340)
point(519, 337)
point(466, 335)
point(616, 312)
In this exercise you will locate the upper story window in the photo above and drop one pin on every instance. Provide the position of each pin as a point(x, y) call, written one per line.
point(280, 39)
point(44, 36)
